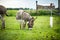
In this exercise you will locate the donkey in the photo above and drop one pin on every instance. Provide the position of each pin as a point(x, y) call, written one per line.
point(2, 14)
point(25, 17)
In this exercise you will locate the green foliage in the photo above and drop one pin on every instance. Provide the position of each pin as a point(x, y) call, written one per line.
point(33, 12)
point(43, 12)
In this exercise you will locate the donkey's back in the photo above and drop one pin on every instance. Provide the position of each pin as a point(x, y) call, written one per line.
point(23, 15)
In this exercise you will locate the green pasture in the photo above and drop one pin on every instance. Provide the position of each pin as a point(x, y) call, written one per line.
point(41, 29)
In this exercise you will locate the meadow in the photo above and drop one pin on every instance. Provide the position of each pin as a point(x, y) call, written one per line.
point(41, 29)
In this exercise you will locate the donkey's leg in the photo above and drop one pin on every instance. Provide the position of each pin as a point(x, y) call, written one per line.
point(24, 25)
point(3, 23)
point(21, 24)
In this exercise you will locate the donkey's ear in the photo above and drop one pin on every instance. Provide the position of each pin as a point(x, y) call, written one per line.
point(35, 18)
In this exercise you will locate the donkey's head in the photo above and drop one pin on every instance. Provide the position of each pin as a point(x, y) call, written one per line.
point(31, 22)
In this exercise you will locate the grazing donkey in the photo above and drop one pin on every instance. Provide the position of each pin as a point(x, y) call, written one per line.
point(2, 13)
point(25, 17)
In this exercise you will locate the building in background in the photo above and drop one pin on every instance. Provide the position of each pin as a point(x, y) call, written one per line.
point(59, 4)
point(46, 7)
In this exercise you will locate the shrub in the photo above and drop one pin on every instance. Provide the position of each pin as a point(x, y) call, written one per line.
point(43, 12)
point(33, 12)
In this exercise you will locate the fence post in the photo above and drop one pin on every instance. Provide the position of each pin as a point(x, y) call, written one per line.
point(36, 7)
point(51, 18)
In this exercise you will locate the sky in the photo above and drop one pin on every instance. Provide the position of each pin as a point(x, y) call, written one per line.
point(26, 3)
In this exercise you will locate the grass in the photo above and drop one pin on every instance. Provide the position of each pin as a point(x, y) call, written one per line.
point(41, 29)
point(12, 12)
